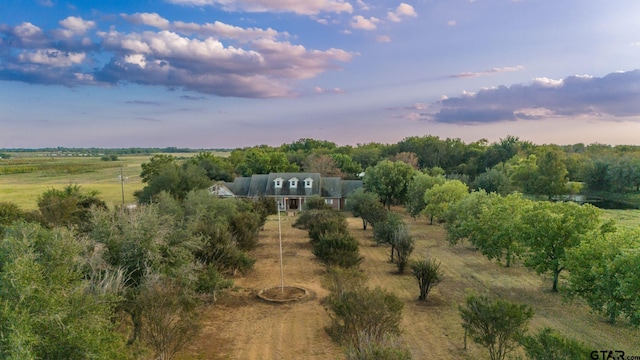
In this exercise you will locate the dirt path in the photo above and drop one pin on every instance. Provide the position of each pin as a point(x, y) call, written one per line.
point(242, 327)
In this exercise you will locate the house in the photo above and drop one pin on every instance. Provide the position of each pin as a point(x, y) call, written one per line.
point(290, 189)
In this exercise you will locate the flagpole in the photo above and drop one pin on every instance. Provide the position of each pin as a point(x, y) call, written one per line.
point(280, 241)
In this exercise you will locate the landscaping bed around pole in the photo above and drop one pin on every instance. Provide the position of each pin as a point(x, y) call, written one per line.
point(284, 294)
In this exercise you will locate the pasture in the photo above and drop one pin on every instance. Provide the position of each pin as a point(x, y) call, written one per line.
point(25, 176)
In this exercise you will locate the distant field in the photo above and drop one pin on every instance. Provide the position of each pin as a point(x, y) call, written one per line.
point(26, 176)
point(624, 218)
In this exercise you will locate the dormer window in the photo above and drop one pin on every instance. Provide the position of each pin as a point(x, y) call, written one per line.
point(293, 182)
point(308, 183)
point(277, 183)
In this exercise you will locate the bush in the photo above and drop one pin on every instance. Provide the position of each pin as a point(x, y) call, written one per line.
point(389, 348)
point(376, 313)
point(549, 344)
point(428, 274)
point(321, 222)
point(338, 249)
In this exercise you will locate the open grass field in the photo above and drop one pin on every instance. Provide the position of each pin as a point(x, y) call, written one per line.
point(26, 176)
point(92, 174)
point(242, 327)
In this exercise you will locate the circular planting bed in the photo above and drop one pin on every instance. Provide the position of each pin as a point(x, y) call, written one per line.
point(283, 294)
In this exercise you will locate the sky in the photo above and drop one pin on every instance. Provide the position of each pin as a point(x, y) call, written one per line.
point(235, 73)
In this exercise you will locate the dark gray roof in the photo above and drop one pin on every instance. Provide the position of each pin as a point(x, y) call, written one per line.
point(258, 184)
point(349, 186)
point(298, 190)
point(331, 187)
point(239, 186)
point(264, 185)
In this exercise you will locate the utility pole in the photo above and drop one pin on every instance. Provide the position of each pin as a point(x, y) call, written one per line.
point(122, 185)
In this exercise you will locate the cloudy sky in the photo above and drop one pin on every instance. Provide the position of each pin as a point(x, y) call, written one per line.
point(229, 73)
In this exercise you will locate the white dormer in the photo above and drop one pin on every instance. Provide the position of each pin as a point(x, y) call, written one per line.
point(277, 183)
point(293, 182)
point(308, 183)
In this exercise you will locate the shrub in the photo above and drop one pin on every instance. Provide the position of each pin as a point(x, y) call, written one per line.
point(376, 313)
point(427, 272)
point(338, 249)
point(549, 344)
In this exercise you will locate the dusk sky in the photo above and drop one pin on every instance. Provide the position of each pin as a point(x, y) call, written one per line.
point(233, 73)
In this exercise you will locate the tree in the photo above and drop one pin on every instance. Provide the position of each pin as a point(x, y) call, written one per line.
point(386, 231)
point(367, 206)
point(420, 183)
point(145, 245)
point(323, 164)
point(169, 315)
point(176, 180)
point(440, 197)
point(349, 168)
point(69, 207)
point(495, 324)
point(602, 273)
point(551, 229)
point(48, 307)
point(260, 161)
point(462, 218)
point(427, 272)
point(493, 180)
point(499, 226)
point(407, 158)
point(404, 245)
point(156, 163)
point(216, 168)
point(548, 344)
point(551, 177)
point(389, 180)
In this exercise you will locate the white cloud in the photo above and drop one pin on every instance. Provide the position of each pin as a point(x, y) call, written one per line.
point(320, 90)
point(52, 57)
point(151, 19)
point(216, 29)
point(403, 10)
point(306, 7)
point(451, 23)
point(362, 5)
point(27, 30)
point(488, 72)
point(383, 39)
point(549, 83)
point(77, 25)
point(360, 22)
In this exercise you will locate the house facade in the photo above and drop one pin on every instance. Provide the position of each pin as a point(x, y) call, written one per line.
point(290, 189)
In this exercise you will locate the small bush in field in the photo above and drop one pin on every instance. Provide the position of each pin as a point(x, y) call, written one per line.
point(427, 272)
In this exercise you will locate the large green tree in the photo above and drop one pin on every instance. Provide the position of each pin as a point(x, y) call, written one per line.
point(603, 272)
point(440, 196)
point(551, 229)
point(390, 180)
point(498, 227)
point(367, 206)
point(420, 183)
